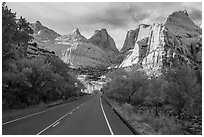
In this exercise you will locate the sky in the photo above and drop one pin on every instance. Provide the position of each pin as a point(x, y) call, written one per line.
point(116, 17)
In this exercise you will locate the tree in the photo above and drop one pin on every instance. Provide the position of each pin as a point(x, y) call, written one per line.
point(136, 80)
point(23, 35)
point(156, 95)
point(183, 89)
point(123, 85)
point(16, 34)
point(9, 28)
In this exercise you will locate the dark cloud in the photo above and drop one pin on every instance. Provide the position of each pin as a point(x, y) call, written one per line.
point(136, 14)
point(196, 14)
point(117, 17)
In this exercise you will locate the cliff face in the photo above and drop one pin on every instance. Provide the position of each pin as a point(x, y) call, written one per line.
point(157, 46)
point(130, 40)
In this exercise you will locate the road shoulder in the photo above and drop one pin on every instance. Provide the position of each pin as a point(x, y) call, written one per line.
point(118, 125)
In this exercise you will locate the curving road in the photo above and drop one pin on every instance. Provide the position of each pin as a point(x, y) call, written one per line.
point(90, 115)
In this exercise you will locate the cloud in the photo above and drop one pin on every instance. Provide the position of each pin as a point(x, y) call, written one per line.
point(196, 14)
point(114, 15)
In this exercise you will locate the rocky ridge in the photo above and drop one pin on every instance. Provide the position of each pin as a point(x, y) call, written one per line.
point(71, 38)
point(75, 49)
point(42, 33)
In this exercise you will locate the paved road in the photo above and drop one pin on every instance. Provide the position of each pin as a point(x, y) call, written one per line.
point(87, 116)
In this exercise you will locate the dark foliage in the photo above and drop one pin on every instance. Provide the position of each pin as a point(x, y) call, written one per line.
point(28, 81)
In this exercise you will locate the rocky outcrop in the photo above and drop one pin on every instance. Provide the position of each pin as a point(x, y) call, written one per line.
point(33, 51)
point(158, 46)
point(42, 33)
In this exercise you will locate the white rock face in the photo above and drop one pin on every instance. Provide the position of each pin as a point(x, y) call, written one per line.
point(165, 45)
point(80, 53)
point(42, 33)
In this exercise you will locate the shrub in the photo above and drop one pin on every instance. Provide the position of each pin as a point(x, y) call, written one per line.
point(161, 124)
point(127, 108)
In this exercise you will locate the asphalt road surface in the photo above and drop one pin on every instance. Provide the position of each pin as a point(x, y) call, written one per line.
point(90, 115)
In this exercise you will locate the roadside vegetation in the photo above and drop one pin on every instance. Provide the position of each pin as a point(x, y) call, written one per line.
point(31, 81)
point(168, 104)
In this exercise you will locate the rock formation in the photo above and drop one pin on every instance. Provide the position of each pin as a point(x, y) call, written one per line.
point(80, 53)
point(157, 46)
point(73, 48)
point(103, 40)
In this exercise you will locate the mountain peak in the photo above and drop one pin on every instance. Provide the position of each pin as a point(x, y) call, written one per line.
point(102, 39)
point(180, 19)
point(38, 22)
point(76, 31)
point(103, 29)
point(185, 12)
point(73, 36)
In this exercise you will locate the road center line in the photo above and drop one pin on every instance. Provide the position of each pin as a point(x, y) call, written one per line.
point(111, 131)
point(55, 124)
point(59, 119)
point(31, 115)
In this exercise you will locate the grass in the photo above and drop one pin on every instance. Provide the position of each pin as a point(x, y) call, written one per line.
point(146, 123)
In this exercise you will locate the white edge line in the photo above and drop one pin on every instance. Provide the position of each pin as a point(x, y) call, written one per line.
point(111, 131)
point(58, 120)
